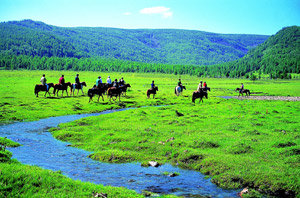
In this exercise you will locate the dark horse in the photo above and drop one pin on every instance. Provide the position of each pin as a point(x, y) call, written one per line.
point(96, 91)
point(39, 88)
point(197, 94)
point(124, 88)
point(76, 86)
point(63, 87)
point(116, 91)
point(178, 90)
point(242, 91)
point(152, 91)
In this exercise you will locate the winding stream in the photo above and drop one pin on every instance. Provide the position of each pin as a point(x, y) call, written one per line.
point(41, 149)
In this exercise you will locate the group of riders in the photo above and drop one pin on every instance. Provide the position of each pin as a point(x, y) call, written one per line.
point(77, 83)
point(202, 87)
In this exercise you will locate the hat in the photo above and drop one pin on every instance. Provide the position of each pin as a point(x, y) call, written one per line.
point(108, 76)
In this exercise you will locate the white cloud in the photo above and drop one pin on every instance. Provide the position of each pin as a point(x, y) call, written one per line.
point(165, 12)
point(127, 13)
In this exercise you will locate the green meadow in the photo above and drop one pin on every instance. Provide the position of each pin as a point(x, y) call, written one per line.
point(238, 143)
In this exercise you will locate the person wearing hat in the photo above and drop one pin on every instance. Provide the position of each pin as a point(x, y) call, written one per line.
point(98, 82)
point(115, 83)
point(108, 80)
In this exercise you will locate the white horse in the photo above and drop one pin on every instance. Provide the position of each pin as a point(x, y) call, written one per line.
point(178, 90)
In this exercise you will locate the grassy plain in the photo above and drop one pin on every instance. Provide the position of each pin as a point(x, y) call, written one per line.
point(238, 143)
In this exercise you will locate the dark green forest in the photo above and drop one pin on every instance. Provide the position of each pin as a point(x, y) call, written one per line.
point(37, 46)
point(168, 46)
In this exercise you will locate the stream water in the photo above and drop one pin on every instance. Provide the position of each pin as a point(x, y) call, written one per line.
point(41, 149)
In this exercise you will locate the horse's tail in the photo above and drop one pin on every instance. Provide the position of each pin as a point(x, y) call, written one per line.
point(148, 93)
point(35, 90)
point(90, 93)
point(193, 98)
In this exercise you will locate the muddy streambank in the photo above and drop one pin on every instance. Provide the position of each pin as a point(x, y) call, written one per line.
point(281, 98)
point(41, 149)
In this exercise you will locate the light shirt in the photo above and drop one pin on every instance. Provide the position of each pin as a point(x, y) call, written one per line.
point(108, 81)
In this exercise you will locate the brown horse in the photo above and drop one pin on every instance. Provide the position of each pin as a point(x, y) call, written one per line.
point(152, 91)
point(76, 86)
point(63, 87)
point(243, 91)
point(39, 88)
point(114, 91)
point(96, 91)
point(197, 94)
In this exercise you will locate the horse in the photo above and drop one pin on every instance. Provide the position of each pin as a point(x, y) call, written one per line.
point(178, 90)
point(76, 86)
point(39, 88)
point(152, 91)
point(197, 94)
point(96, 91)
point(114, 91)
point(205, 89)
point(124, 88)
point(63, 87)
point(242, 91)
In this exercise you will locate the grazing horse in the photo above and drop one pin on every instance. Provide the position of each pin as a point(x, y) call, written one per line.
point(178, 90)
point(76, 86)
point(96, 91)
point(152, 91)
point(242, 91)
point(63, 87)
point(114, 91)
point(124, 88)
point(197, 94)
point(39, 88)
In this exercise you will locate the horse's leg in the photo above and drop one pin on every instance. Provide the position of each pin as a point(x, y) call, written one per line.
point(82, 91)
point(98, 98)
point(102, 98)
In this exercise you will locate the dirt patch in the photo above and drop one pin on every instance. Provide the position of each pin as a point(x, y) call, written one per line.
point(283, 98)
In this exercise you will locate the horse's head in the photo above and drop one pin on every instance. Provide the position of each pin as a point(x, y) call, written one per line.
point(83, 84)
point(69, 84)
point(128, 85)
point(208, 88)
point(237, 89)
point(50, 85)
point(156, 88)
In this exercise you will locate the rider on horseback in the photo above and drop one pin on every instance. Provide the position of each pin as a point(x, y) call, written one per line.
point(98, 82)
point(115, 83)
point(180, 84)
point(199, 89)
point(242, 88)
point(77, 81)
point(205, 86)
point(108, 80)
point(61, 80)
point(152, 84)
point(121, 82)
point(44, 82)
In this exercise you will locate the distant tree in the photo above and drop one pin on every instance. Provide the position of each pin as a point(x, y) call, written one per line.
point(253, 77)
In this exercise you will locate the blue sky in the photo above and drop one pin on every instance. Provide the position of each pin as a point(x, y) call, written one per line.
point(219, 16)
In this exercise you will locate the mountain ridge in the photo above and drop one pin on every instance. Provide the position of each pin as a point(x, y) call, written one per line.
point(168, 46)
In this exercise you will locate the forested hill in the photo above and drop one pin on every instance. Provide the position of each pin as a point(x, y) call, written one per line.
point(169, 46)
point(278, 56)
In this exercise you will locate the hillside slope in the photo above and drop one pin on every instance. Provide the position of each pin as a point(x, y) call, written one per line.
point(168, 46)
point(277, 56)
